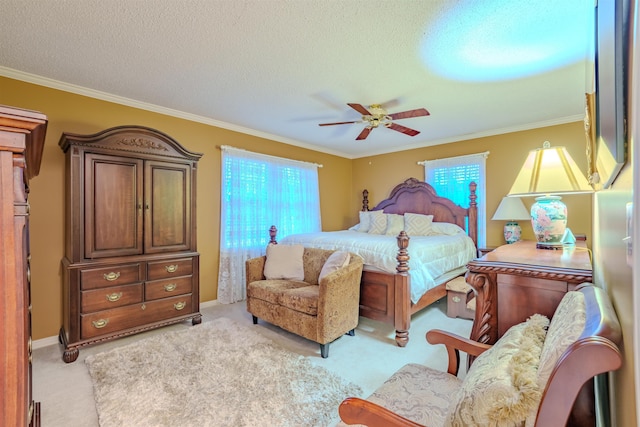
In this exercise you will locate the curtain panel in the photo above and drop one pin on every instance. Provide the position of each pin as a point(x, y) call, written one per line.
point(258, 191)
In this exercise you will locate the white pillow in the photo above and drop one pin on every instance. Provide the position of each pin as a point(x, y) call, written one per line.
point(284, 262)
point(378, 222)
point(445, 228)
point(335, 262)
point(395, 224)
point(417, 224)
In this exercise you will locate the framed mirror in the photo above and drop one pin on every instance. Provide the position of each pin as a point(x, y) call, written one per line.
point(611, 88)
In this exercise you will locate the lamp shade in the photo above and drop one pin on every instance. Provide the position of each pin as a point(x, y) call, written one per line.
point(510, 209)
point(549, 170)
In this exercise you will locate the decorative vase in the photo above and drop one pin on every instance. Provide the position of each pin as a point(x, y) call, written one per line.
point(512, 232)
point(549, 221)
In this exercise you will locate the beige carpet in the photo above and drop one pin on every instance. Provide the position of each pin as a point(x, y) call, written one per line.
point(219, 373)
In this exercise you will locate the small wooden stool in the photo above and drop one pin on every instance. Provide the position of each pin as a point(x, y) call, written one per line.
point(461, 301)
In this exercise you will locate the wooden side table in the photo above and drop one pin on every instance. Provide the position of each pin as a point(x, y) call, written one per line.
point(515, 281)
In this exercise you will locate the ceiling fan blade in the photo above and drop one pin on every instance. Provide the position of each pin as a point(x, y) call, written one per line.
point(411, 113)
point(403, 129)
point(337, 123)
point(364, 134)
point(360, 109)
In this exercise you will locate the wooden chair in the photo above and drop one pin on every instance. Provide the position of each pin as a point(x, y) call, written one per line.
point(417, 396)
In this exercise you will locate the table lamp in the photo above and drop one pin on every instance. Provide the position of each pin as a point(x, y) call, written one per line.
point(511, 209)
point(546, 173)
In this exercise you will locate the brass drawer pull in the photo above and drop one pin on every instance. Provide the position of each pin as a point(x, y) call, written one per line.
point(114, 297)
point(171, 268)
point(179, 305)
point(98, 324)
point(112, 276)
point(170, 287)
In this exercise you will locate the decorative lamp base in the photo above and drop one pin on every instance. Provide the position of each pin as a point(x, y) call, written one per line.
point(512, 232)
point(549, 221)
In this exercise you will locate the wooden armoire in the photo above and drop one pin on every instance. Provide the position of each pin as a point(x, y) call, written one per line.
point(22, 134)
point(130, 261)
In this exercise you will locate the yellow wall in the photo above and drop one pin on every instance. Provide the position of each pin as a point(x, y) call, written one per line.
point(612, 272)
point(79, 114)
point(379, 174)
point(341, 180)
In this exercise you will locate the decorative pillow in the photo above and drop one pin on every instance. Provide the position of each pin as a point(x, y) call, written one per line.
point(566, 326)
point(395, 224)
point(378, 222)
point(336, 261)
point(501, 386)
point(365, 220)
point(417, 224)
point(284, 262)
point(445, 228)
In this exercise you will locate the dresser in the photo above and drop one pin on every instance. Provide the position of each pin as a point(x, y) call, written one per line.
point(130, 261)
point(22, 134)
point(514, 281)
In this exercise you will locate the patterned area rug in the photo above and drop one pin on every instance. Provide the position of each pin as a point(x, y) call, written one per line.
point(218, 373)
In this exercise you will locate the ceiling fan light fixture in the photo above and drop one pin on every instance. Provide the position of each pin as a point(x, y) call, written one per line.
point(376, 115)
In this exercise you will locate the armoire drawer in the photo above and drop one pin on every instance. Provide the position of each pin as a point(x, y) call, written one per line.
point(131, 316)
point(107, 298)
point(165, 288)
point(114, 275)
point(169, 268)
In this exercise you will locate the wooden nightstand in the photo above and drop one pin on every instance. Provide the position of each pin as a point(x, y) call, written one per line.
point(515, 281)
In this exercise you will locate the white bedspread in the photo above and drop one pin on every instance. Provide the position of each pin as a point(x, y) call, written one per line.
point(430, 256)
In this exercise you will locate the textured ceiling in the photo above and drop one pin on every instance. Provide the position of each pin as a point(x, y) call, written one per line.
point(277, 68)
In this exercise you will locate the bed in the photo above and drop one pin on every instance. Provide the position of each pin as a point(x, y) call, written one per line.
point(386, 292)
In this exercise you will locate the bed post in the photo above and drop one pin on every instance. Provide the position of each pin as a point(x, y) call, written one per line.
point(272, 235)
point(365, 200)
point(473, 213)
point(402, 289)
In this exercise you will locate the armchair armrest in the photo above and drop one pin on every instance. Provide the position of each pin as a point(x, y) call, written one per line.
point(359, 411)
point(454, 344)
point(255, 269)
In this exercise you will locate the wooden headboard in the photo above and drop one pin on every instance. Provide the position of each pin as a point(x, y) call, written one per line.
point(414, 196)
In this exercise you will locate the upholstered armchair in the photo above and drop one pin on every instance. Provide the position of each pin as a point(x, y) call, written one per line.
point(536, 374)
point(310, 292)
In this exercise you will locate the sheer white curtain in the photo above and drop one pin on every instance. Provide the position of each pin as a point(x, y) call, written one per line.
point(450, 177)
point(259, 191)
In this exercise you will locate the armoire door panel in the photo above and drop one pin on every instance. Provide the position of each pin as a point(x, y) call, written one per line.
point(167, 207)
point(113, 206)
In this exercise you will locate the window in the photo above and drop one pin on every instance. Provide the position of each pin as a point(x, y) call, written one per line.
point(258, 191)
point(450, 178)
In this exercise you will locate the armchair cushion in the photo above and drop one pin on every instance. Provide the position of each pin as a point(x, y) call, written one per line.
point(417, 392)
point(284, 262)
point(501, 387)
point(336, 261)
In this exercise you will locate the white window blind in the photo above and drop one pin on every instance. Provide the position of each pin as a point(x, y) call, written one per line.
point(450, 177)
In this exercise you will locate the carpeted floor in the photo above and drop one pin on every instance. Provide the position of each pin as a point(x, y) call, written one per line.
point(367, 359)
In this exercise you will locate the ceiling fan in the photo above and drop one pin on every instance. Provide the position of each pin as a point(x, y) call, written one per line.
point(376, 115)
